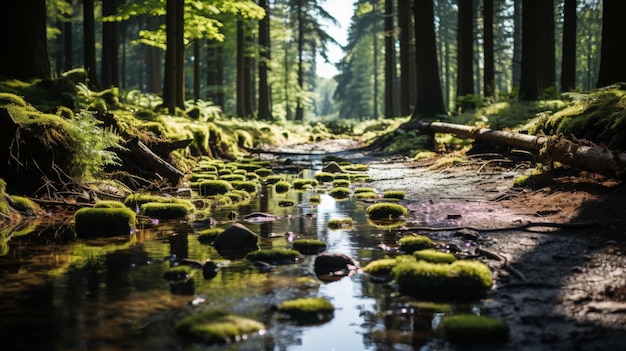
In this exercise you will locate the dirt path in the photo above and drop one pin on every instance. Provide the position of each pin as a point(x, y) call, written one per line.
point(558, 288)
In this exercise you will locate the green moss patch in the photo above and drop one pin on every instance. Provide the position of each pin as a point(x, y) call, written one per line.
point(433, 256)
point(385, 211)
point(274, 256)
point(109, 204)
point(309, 246)
point(25, 205)
point(315, 199)
point(367, 195)
point(217, 327)
point(339, 223)
point(461, 280)
point(308, 309)
point(324, 177)
point(340, 193)
point(208, 235)
point(341, 183)
point(165, 210)
point(282, 186)
point(91, 222)
point(300, 184)
point(249, 186)
point(411, 243)
point(470, 328)
point(394, 194)
point(363, 189)
point(214, 187)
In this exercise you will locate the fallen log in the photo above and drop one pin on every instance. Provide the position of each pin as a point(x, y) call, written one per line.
point(142, 156)
point(611, 163)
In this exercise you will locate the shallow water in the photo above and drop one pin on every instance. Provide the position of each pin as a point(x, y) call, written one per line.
point(62, 293)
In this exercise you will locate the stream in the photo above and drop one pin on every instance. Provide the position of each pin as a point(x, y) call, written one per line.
point(63, 293)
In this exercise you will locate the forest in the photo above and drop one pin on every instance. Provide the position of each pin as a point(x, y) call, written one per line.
point(160, 71)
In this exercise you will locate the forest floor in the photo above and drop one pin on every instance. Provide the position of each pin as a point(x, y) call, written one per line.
point(559, 287)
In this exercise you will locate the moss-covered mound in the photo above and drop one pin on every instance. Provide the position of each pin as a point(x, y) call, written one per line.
point(433, 256)
point(339, 223)
point(340, 192)
point(217, 327)
point(208, 235)
point(385, 211)
point(309, 246)
point(214, 187)
point(308, 310)
point(300, 184)
point(282, 186)
point(165, 210)
point(470, 328)
point(411, 243)
point(91, 222)
point(461, 280)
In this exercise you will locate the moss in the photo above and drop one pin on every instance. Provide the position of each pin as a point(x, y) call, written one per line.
point(208, 235)
point(341, 183)
point(341, 223)
point(470, 328)
point(364, 190)
point(446, 162)
point(273, 179)
point(385, 211)
point(282, 187)
point(433, 256)
point(309, 246)
point(340, 193)
point(162, 210)
point(303, 183)
point(12, 99)
point(233, 177)
point(4, 206)
point(315, 199)
point(263, 172)
point(109, 204)
point(461, 280)
point(308, 309)
point(217, 327)
point(412, 243)
point(394, 194)
point(92, 222)
point(274, 256)
point(324, 177)
point(214, 187)
point(381, 268)
point(25, 205)
point(249, 186)
point(366, 195)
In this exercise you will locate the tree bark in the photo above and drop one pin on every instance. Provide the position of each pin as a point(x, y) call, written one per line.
point(465, 42)
point(89, 43)
point(489, 80)
point(390, 64)
point(568, 65)
point(594, 159)
point(612, 68)
point(265, 110)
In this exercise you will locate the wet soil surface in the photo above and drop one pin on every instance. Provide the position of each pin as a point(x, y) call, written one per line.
point(561, 286)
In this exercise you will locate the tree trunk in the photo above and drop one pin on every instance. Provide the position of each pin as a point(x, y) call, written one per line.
point(299, 117)
point(594, 159)
point(465, 63)
point(196, 69)
point(547, 70)
point(110, 47)
point(568, 63)
point(429, 99)
point(89, 42)
point(241, 67)
point(169, 81)
point(612, 68)
point(489, 80)
point(68, 45)
point(180, 54)
point(265, 111)
point(406, 64)
point(529, 81)
point(390, 64)
point(153, 60)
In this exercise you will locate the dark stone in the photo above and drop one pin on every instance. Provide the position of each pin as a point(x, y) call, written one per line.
point(331, 263)
point(237, 237)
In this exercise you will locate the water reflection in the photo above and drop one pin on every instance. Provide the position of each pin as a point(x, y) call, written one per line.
point(100, 294)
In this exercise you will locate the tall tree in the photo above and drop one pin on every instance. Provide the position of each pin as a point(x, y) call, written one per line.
point(407, 64)
point(24, 22)
point(546, 49)
point(68, 46)
point(489, 79)
point(265, 111)
point(465, 57)
point(390, 64)
point(612, 68)
point(568, 63)
point(529, 88)
point(173, 38)
point(110, 47)
point(429, 101)
point(89, 43)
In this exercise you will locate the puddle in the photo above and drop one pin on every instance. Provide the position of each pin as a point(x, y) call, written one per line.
point(60, 293)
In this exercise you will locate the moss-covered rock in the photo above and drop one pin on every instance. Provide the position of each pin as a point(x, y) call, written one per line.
point(339, 223)
point(385, 211)
point(91, 222)
point(324, 177)
point(217, 327)
point(394, 194)
point(461, 280)
point(308, 310)
point(282, 186)
point(433, 256)
point(162, 210)
point(412, 243)
point(300, 184)
point(214, 187)
point(109, 204)
point(340, 193)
